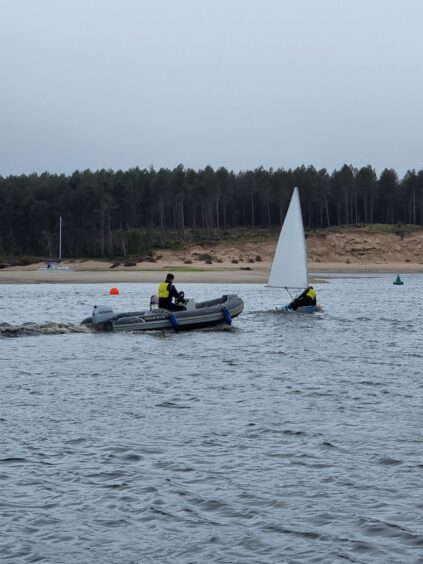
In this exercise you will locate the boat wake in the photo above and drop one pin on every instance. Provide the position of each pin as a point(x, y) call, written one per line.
point(30, 329)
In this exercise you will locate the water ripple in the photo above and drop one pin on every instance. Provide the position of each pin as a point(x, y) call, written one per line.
point(282, 439)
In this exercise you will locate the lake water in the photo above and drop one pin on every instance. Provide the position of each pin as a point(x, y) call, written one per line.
point(286, 438)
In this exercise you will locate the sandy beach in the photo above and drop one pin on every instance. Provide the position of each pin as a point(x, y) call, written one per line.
point(345, 251)
point(98, 272)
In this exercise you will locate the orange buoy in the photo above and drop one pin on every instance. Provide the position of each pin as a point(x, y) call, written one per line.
point(114, 291)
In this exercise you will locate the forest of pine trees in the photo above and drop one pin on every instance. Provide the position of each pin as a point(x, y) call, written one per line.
point(118, 213)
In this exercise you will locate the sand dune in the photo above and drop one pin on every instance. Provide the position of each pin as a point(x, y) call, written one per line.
point(351, 250)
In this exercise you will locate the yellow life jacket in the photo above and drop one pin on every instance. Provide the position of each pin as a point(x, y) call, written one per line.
point(163, 290)
point(311, 294)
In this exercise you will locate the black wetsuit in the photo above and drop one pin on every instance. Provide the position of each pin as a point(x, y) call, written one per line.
point(302, 300)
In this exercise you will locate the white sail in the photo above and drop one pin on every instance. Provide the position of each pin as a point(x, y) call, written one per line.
point(289, 267)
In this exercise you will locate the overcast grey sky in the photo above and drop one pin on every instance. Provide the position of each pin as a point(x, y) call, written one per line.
point(235, 83)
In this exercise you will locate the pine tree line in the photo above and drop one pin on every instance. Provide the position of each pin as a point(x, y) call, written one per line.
point(111, 213)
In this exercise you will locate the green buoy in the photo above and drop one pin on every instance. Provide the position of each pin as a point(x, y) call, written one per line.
point(398, 281)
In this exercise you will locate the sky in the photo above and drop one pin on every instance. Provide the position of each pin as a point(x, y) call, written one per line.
point(114, 84)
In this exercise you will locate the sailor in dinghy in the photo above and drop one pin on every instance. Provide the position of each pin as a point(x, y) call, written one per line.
point(305, 299)
point(289, 268)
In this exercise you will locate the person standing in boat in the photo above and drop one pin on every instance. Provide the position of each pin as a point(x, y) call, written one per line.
point(306, 298)
point(166, 292)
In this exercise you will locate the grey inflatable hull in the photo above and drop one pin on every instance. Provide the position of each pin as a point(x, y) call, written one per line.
point(205, 314)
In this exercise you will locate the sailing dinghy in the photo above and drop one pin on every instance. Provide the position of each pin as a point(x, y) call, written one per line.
point(289, 267)
point(57, 265)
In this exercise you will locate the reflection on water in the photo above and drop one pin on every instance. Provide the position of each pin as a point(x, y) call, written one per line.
point(283, 439)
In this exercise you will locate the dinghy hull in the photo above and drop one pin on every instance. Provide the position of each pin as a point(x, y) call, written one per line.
point(302, 309)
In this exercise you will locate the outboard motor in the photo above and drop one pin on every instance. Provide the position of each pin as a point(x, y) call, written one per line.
point(154, 302)
point(103, 314)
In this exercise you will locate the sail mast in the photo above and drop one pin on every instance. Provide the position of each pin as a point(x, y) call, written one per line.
point(60, 239)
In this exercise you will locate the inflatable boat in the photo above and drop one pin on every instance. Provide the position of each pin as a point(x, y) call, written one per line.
point(195, 316)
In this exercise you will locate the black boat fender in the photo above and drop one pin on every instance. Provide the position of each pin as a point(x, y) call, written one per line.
point(227, 315)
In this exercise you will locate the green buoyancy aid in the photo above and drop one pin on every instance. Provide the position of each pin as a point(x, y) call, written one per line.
point(164, 290)
point(311, 294)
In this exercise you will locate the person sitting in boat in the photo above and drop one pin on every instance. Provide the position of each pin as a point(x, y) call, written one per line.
point(166, 292)
point(306, 298)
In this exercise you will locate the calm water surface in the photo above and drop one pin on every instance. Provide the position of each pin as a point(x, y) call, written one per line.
point(286, 438)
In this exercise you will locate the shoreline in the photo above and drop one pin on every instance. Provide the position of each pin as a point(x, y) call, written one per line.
point(91, 272)
point(345, 251)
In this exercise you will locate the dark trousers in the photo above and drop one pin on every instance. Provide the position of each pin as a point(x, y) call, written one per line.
point(167, 304)
point(301, 302)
